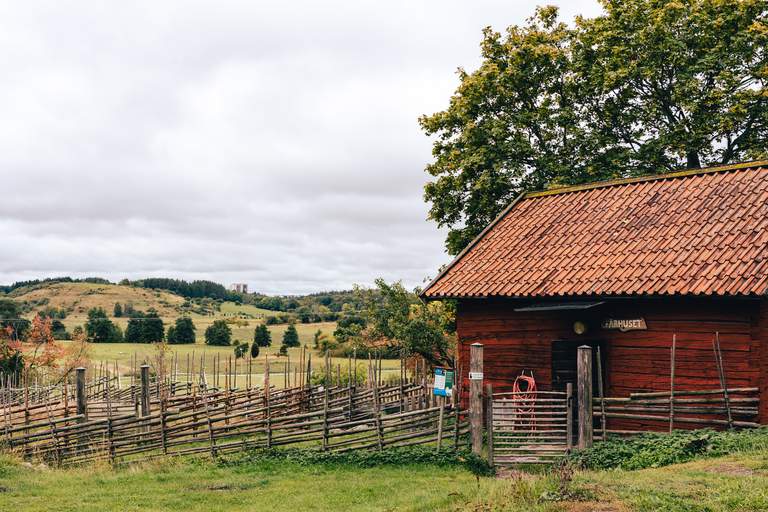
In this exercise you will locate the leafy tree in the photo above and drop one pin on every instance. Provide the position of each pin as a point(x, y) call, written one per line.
point(134, 332)
point(261, 336)
point(241, 348)
point(152, 327)
point(255, 350)
point(218, 333)
point(283, 351)
point(145, 327)
point(398, 322)
point(117, 311)
point(59, 330)
point(647, 87)
point(291, 337)
point(317, 338)
point(349, 327)
point(101, 329)
point(11, 321)
point(182, 332)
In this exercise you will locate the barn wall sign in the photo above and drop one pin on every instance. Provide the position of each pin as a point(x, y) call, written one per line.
point(624, 324)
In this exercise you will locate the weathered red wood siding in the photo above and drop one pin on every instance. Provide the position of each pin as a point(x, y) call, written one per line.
point(635, 360)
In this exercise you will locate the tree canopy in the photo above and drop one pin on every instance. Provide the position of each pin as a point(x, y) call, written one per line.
point(218, 333)
point(291, 337)
point(647, 87)
point(145, 327)
point(261, 336)
point(100, 329)
point(182, 332)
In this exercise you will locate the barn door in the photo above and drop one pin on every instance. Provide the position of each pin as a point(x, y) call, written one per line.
point(564, 365)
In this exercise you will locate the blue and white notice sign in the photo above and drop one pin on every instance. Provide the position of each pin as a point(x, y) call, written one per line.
point(443, 382)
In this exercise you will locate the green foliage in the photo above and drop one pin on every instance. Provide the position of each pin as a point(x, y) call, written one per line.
point(444, 457)
point(10, 317)
point(655, 450)
point(254, 350)
point(218, 333)
point(101, 329)
point(349, 328)
point(194, 289)
point(319, 377)
point(291, 337)
point(261, 336)
point(646, 87)
point(146, 327)
point(406, 325)
point(117, 311)
point(241, 348)
point(182, 332)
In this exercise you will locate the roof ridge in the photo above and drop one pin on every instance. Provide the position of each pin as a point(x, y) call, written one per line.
point(566, 189)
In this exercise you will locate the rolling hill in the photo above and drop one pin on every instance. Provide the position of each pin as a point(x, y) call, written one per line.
point(77, 298)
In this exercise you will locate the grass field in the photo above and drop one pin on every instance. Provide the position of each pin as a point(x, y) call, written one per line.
point(78, 298)
point(733, 483)
point(124, 353)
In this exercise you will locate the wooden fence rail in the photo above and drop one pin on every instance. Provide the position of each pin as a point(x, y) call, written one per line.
point(219, 421)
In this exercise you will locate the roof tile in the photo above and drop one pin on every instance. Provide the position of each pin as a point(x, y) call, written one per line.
point(697, 233)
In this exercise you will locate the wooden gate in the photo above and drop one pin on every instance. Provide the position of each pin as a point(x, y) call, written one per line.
point(529, 428)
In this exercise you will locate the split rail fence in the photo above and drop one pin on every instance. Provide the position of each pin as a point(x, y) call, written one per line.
point(161, 419)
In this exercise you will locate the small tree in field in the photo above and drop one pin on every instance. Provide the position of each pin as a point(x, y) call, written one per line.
point(262, 337)
point(182, 332)
point(100, 329)
point(218, 334)
point(254, 350)
point(117, 312)
point(291, 336)
point(241, 348)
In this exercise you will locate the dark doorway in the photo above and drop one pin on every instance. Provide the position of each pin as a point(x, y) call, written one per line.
point(564, 369)
point(564, 362)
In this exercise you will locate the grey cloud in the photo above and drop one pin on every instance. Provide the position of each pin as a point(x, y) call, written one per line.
point(275, 143)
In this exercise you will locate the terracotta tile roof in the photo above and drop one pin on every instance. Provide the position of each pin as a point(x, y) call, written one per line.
point(702, 232)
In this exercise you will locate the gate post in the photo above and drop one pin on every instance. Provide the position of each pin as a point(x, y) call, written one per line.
point(476, 396)
point(80, 394)
point(569, 417)
point(584, 395)
point(145, 390)
point(489, 420)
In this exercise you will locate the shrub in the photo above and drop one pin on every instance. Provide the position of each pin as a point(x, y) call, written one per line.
point(655, 450)
point(291, 337)
point(218, 334)
point(100, 329)
point(262, 337)
point(182, 332)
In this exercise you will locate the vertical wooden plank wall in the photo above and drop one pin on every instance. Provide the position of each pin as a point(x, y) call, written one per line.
point(635, 360)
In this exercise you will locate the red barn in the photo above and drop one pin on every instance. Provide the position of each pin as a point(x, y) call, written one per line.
point(623, 265)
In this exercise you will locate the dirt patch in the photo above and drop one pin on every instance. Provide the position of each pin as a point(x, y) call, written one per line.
point(730, 468)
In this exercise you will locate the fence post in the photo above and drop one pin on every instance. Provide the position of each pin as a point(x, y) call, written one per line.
point(489, 420)
point(145, 390)
point(569, 416)
point(82, 399)
point(476, 396)
point(326, 392)
point(584, 393)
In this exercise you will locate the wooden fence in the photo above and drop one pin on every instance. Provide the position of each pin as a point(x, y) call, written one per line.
point(214, 421)
point(662, 410)
point(529, 427)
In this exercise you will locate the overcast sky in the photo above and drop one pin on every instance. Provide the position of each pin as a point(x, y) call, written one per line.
point(273, 143)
